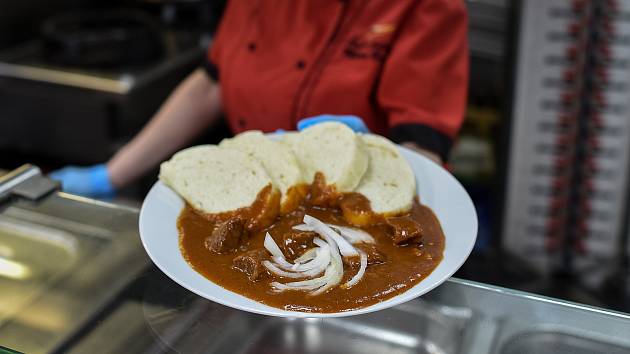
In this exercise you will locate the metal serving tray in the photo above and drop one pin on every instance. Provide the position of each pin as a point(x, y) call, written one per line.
point(62, 259)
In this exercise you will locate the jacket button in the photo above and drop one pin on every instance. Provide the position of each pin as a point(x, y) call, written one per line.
point(241, 121)
point(251, 46)
point(300, 64)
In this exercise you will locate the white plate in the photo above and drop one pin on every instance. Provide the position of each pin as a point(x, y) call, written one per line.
point(437, 189)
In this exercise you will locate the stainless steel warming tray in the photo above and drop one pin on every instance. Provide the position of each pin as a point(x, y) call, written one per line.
point(62, 258)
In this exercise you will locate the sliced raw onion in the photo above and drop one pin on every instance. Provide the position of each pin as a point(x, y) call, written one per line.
point(284, 264)
point(324, 258)
point(329, 234)
point(272, 247)
point(326, 233)
point(353, 235)
point(333, 276)
point(307, 256)
point(321, 281)
point(357, 277)
point(303, 285)
point(282, 273)
point(302, 227)
point(318, 241)
point(321, 284)
point(320, 261)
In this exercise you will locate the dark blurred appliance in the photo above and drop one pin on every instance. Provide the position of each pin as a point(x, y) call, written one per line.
point(569, 144)
point(88, 83)
point(101, 40)
point(19, 20)
point(487, 27)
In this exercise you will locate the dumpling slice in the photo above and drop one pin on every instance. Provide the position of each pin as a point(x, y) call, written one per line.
point(278, 161)
point(334, 150)
point(389, 183)
point(215, 180)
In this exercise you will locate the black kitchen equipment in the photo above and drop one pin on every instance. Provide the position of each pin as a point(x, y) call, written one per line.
point(105, 39)
point(201, 15)
point(88, 83)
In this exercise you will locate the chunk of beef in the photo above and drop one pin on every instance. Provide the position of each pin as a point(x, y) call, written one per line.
point(404, 230)
point(374, 256)
point(250, 263)
point(294, 243)
point(227, 236)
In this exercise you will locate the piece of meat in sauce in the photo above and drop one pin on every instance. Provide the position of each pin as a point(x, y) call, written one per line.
point(404, 230)
point(295, 243)
point(320, 193)
point(374, 256)
point(227, 236)
point(250, 263)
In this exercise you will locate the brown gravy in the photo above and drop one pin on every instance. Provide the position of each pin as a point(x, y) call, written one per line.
point(405, 267)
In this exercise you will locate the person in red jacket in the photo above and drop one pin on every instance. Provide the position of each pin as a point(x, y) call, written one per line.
point(400, 65)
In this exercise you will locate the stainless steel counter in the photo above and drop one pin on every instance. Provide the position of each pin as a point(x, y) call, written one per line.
point(458, 317)
point(508, 321)
point(75, 279)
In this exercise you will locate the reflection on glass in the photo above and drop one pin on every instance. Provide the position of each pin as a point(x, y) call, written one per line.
point(13, 270)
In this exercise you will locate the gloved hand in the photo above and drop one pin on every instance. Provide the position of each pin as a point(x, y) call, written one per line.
point(355, 123)
point(86, 181)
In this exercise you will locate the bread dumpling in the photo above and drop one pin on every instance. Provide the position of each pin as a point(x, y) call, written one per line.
point(288, 138)
point(334, 150)
point(276, 158)
point(215, 180)
point(389, 183)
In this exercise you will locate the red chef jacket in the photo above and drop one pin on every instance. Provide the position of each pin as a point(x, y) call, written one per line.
point(401, 65)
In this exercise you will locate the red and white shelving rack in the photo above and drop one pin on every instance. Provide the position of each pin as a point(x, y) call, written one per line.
point(570, 137)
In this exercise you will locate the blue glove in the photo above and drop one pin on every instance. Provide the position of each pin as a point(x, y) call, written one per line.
point(86, 181)
point(355, 123)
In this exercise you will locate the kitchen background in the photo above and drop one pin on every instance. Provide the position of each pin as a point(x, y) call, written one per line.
point(544, 150)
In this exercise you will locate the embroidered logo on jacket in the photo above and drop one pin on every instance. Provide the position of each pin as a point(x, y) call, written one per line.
point(374, 44)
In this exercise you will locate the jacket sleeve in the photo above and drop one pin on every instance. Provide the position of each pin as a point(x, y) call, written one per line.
point(424, 82)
